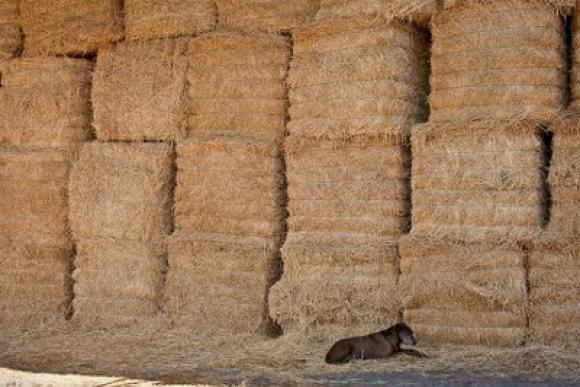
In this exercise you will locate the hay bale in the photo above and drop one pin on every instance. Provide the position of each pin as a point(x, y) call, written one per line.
point(336, 280)
point(33, 195)
point(10, 38)
point(218, 281)
point(354, 185)
point(500, 59)
point(354, 78)
point(238, 85)
point(478, 181)
point(575, 70)
point(463, 293)
point(265, 15)
point(139, 91)
point(69, 27)
point(229, 186)
point(418, 11)
point(117, 282)
point(35, 283)
point(555, 291)
point(152, 19)
point(122, 191)
point(45, 101)
point(564, 178)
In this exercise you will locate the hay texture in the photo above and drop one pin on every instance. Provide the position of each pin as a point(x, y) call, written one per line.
point(237, 85)
point(555, 291)
point(478, 181)
point(499, 59)
point(35, 283)
point(218, 281)
point(10, 38)
point(575, 70)
point(417, 11)
point(35, 245)
point(152, 19)
point(69, 27)
point(139, 91)
point(228, 220)
point(120, 211)
point(463, 293)
point(45, 101)
point(564, 178)
point(265, 15)
point(356, 78)
point(229, 186)
point(347, 203)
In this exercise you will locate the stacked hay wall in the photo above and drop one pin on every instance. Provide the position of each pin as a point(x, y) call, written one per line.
point(478, 181)
point(139, 91)
point(154, 19)
point(463, 293)
point(555, 291)
point(10, 38)
point(69, 27)
point(265, 15)
point(351, 103)
point(501, 60)
point(45, 110)
point(35, 245)
point(229, 198)
point(120, 211)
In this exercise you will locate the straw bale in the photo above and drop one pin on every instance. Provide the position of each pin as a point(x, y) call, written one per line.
point(220, 281)
point(139, 91)
point(237, 85)
point(499, 59)
point(555, 290)
point(45, 101)
point(34, 282)
point(357, 79)
point(69, 27)
point(564, 177)
point(122, 191)
point(33, 195)
point(478, 181)
point(356, 185)
point(117, 281)
point(10, 37)
point(151, 19)
point(463, 293)
point(418, 11)
point(265, 15)
point(230, 186)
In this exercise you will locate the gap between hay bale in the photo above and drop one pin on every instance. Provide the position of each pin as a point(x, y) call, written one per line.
point(139, 91)
point(152, 19)
point(45, 101)
point(69, 27)
point(265, 15)
point(122, 191)
point(10, 37)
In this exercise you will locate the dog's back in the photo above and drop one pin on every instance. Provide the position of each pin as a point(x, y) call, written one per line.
point(341, 352)
point(363, 347)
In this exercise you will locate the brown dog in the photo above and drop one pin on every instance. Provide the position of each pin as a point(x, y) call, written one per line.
point(377, 345)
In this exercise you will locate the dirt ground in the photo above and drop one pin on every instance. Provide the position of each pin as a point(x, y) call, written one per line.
point(162, 353)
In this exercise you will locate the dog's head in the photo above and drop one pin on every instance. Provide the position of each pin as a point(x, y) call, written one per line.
point(405, 334)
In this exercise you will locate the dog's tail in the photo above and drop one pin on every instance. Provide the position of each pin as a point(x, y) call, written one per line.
point(340, 353)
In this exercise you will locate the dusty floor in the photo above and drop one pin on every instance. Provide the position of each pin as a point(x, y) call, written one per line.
point(160, 352)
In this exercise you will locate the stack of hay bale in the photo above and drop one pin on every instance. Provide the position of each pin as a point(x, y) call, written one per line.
point(477, 175)
point(10, 38)
point(356, 85)
point(121, 192)
point(45, 110)
point(120, 210)
point(228, 200)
